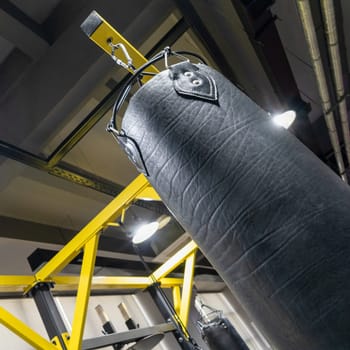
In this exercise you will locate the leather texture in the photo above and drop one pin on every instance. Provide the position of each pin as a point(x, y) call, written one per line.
point(222, 336)
point(190, 81)
point(272, 218)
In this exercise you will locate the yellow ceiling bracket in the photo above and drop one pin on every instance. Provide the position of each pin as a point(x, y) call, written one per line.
point(105, 36)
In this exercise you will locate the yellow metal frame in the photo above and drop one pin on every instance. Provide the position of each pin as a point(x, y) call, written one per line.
point(87, 240)
point(105, 33)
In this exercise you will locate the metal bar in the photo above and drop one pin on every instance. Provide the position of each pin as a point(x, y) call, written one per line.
point(101, 282)
point(65, 171)
point(114, 282)
point(23, 331)
point(109, 213)
point(329, 16)
point(169, 314)
point(103, 34)
point(82, 177)
point(149, 193)
point(49, 312)
point(70, 283)
point(107, 102)
point(16, 280)
point(187, 289)
point(125, 337)
point(177, 299)
point(20, 155)
point(307, 21)
point(82, 301)
point(175, 261)
point(16, 13)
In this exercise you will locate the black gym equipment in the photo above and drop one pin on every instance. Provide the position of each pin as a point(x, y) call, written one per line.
point(271, 217)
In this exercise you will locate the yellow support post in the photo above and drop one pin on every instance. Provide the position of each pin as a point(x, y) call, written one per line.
point(187, 288)
point(177, 299)
point(177, 259)
point(102, 34)
point(149, 193)
point(108, 214)
point(87, 270)
point(24, 332)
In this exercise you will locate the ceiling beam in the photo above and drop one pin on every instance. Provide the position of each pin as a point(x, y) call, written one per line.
point(69, 71)
point(106, 104)
point(35, 232)
point(11, 69)
point(63, 170)
point(22, 31)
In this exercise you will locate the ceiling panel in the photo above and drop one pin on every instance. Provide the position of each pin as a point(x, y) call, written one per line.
point(5, 48)
point(36, 196)
point(38, 10)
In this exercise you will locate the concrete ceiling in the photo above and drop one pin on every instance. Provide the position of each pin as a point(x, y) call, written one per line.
point(53, 78)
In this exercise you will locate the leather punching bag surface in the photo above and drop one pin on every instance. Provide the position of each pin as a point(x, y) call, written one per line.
point(221, 335)
point(271, 218)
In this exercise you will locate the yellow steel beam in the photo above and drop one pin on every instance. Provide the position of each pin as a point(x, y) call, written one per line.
point(17, 283)
point(57, 341)
point(15, 280)
point(82, 300)
point(114, 282)
point(177, 299)
point(187, 289)
point(108, 214)
point(177, 259)
point(149, 193)
point(23, 331)
point(102, 33)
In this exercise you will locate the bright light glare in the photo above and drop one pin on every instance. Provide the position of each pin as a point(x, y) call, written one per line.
point(145, 232)
point(285, 119)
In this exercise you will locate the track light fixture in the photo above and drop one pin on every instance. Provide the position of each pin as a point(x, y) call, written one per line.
point(146, 231)
point(284, 119)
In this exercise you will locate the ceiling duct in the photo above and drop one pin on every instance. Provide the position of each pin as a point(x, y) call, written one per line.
point(334, 54)
point(311, 39)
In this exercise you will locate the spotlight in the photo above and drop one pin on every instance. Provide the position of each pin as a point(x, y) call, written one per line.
point(284, 119)
point(146, 231)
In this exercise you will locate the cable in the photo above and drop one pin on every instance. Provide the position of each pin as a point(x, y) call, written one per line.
point(174, 315)
point(137, 76)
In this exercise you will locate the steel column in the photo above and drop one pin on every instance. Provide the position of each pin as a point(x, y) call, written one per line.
point(169, 314)
point(49, 312)
point(177, 259)
point(187, 289)
point(87, 270)
point(177, 299)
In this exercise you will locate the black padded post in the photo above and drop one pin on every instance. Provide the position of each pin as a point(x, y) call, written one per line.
point(49, 312)
point(221, 335)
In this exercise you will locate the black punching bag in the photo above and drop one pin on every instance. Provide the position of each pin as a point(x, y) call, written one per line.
point(271, 218)
point(220, 335)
